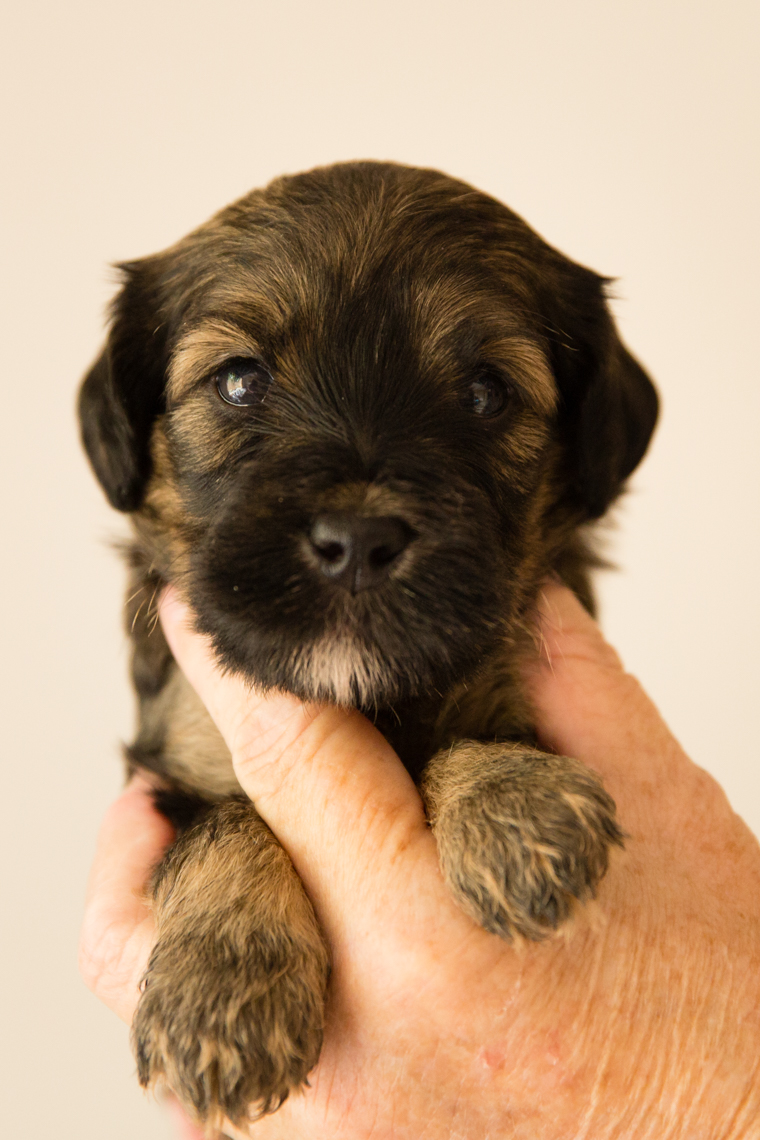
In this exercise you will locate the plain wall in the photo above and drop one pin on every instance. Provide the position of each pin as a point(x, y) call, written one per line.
point(626, 133)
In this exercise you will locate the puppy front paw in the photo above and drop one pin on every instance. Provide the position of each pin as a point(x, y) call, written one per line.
point(231, 1033)
point(521, 834)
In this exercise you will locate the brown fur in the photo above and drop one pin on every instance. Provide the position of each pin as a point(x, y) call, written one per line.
point(376, 295)
point(232, 1006)
point(521, 834)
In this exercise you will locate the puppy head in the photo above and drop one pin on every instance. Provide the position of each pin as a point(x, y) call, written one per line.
point(352, 415)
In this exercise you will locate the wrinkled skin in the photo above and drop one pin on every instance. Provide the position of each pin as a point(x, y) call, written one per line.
point(642, 1019)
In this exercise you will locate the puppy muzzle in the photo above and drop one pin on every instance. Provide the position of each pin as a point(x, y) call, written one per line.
point(356, 592)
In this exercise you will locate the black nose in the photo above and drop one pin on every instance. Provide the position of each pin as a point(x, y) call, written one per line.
point(358, 551)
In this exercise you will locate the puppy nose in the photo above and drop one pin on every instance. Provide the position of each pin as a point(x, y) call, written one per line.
point(357, 551)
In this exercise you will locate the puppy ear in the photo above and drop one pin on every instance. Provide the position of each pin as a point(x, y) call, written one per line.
point(608, 403)
point(123, 392)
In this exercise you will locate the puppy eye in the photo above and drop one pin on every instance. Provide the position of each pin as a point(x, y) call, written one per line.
point(242, 382)
point(486, 396)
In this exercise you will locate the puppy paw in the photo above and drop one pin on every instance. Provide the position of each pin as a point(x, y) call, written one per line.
point(521, 834)
point(231, 1033)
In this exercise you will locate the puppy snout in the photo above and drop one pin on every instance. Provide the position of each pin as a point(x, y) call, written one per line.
point(357, 551)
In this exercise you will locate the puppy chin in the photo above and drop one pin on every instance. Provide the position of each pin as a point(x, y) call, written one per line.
point(365, 668)
point(336, 669)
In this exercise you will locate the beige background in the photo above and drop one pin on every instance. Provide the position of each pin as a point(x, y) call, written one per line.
point(625, 132)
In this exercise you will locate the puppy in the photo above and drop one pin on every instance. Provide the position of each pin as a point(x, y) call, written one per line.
point(358, 417)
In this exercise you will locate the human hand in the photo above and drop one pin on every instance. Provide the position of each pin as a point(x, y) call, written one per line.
point(641, 1017)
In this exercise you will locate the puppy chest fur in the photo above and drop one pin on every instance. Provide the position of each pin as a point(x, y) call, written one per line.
point(357, 418)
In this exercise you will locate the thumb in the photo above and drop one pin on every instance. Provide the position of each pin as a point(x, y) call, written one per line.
point(323, 778)
point(588, 707)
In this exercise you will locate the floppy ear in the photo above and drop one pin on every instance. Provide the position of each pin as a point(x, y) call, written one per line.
point(609, 405)
point(123, 392)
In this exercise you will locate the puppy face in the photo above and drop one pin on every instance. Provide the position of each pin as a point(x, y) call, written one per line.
point(357, 415)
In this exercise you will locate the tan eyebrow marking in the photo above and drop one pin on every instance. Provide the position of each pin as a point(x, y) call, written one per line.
point(524, 360)
point(201, 351)
point(443, 306)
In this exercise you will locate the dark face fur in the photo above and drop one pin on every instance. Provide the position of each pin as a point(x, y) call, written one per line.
point(430, 401)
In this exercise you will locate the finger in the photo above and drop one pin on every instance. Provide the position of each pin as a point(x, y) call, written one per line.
point(588, 707)
point(117, 932)
point(324, 779)
point(185, 1129)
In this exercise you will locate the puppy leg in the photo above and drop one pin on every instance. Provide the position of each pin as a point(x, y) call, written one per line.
point(520, 833)
point(232, 1007)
